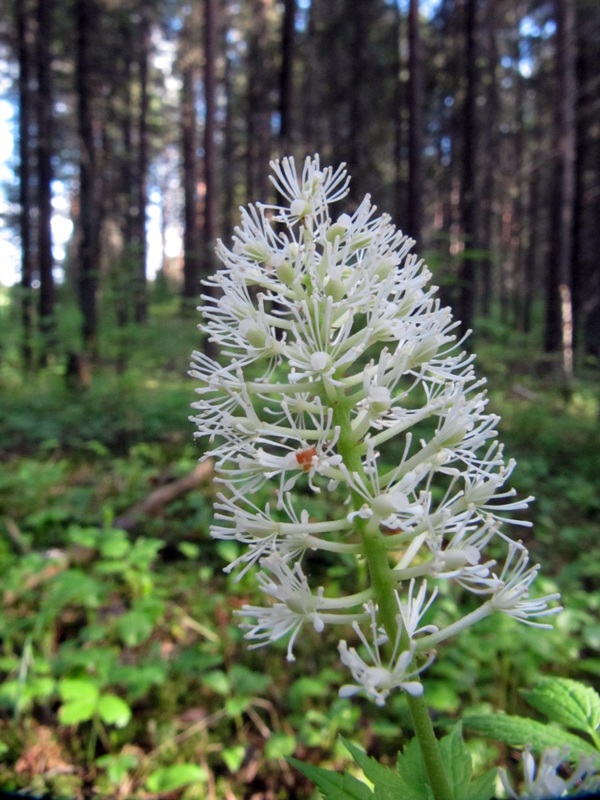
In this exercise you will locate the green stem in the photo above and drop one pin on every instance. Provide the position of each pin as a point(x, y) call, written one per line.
point(384, 581)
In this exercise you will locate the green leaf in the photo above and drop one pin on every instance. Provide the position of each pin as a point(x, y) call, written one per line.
point(113, 710)
point(76, 711)
point(117, 766)
point(169, 779)
point(114, 545)
point(483, 787)
point(388, 784)
point(246, 681)
point(566, 701)
point(135, 628)
point(332, 785)
point(80, 700)
point(520, 731)
point(189, 550)
point(218, 681)
point(280, 745)
point(72, 689)
point(233, 757)
point(457, 761)
point(234, 706)
point(410, 767)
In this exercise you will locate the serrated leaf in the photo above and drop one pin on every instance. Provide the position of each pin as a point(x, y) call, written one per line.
point(389, 785)
point(410, 768)
point(483, 787)
point(332, 785)
point(568, 702)
point(520, 731)
point(457, 761)
point(113, 710)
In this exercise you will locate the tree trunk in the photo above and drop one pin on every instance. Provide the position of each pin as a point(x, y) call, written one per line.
point(141, 188)
point(415, 125)
point(90, 205)
point(191, 231)
point(259, 105)
point(586, 241)
point(210, 190)
point(44, 175)
point(24, 36)
point(286, 77)
point(467, 271)
point(559, 323)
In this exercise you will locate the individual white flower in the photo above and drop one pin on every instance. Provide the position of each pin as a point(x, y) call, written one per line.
point(296, 605)
point(372, 676)
point(511, 595)
point(414, 609)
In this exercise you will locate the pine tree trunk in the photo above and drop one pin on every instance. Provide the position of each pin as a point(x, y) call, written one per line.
point(210, 169)
point(191, 231)
point(90, 204)
point(44, 175)
point(559, 323)
point(467, 271)
point(141, 188)
point(415, 125)
point(24, 35)
point(286, 77)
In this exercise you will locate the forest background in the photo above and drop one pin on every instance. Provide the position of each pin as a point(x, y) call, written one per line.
point(139, 130)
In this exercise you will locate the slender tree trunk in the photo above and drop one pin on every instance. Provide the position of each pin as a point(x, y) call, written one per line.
point(490, 145)
point(44, 175)
point(191, 230)
point(467, 271)
point(141, 200)
point(286, 77)
point(210, 169)
point(559, 322)
point(399, 173)
point(586, 237)
point(228, 163)
point(259, 104)
point(415, 125)
point(24, 36)
point(90, 204)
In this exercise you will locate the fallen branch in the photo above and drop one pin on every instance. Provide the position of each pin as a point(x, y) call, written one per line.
point(161, 497)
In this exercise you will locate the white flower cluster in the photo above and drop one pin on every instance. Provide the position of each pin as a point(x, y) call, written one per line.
point(341, 376)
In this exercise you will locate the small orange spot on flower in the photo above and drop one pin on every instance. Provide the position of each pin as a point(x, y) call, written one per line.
point(305, 457)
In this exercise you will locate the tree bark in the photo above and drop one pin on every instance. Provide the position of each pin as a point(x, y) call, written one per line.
point(44, 175)
point(415, 125)
point(141, 188)
point(286, 77)
point(259, 104)
point(24, 36)
point(191, 230)
point(467, 272)
point(559, 323)
point(90, 203)
point(210, 167)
